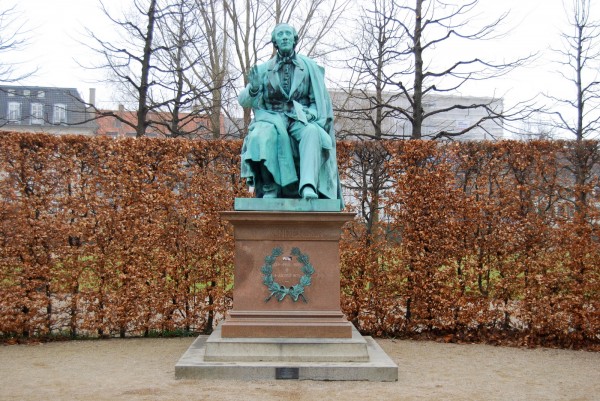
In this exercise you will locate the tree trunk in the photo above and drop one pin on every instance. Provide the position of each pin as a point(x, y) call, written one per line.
point(174, 128)
point(417, 111)
point(142, 111)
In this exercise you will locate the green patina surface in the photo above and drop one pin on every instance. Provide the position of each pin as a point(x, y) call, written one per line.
point(287, 205)
point(290, 148)
point(279, 291)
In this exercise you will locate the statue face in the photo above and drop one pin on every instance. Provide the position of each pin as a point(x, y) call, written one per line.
point(284, 38)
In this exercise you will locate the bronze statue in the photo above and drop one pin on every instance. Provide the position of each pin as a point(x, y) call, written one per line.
point(289, 151)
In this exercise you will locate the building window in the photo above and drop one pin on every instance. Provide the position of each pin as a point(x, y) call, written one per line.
point(37, 114)
point(12, 92)
point(26, 92)
point(41, 94)
point(60, 114)
point(14, 112)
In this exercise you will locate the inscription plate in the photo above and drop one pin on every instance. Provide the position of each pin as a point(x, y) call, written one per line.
point(287, 271)
point(295, 233)
point(287, 373)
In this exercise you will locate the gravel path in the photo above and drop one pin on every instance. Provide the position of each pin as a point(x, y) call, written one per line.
point(143, 369)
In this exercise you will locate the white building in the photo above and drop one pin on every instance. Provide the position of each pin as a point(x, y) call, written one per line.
point(353, 112)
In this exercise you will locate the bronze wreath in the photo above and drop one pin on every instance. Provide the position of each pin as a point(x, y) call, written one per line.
point(279, 291)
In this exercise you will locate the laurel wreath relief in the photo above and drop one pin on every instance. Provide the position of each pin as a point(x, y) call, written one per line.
point(279, 291)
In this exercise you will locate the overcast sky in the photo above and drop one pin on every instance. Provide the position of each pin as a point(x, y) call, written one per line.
point(58, 25)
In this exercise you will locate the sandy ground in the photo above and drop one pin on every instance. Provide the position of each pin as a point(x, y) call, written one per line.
point(143, 369)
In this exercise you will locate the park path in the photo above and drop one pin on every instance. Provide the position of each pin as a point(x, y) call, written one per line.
point(143, 369)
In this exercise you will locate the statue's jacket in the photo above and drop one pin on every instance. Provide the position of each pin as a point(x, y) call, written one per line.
point(308, 95)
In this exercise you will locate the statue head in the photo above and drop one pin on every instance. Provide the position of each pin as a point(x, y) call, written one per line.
point(284, 37)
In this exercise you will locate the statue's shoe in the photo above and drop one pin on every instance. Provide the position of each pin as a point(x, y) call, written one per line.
point(270, 194)
point(308, 193)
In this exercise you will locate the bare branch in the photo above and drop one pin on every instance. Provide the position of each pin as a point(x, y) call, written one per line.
point(13, 38)
point(579, 58)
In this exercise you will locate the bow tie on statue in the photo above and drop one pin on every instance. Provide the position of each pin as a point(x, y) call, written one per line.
point(283, 60)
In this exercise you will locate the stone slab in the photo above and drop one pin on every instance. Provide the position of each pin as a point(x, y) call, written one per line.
point(286, 324)
point(219, 349)
point(379, 368)
point(287, 205)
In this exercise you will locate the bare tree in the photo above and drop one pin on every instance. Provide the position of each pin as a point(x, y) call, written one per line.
point(396, 77)
point(580, 62)
point(367, 178)
point(365, 105)
point(452, 21)
point(13, 38)
point(210, 78)
point(129, 61)
point(249, 37)
point(420, 31)
point(160, 63)
point(179, 55)
point(180, 86)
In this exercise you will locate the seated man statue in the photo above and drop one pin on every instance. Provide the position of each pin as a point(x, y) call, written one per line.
point(289, 151)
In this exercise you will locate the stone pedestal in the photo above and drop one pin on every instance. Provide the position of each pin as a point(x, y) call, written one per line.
point(293, 241)
point(258, 359)
point(286, 321)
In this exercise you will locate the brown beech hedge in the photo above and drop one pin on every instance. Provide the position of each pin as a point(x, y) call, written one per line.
point(476, 241)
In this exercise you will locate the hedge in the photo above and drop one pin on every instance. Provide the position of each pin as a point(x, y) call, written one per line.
point(474, 241)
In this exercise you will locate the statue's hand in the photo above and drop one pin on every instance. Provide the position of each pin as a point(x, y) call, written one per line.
point(254, 79)
point(309, 114)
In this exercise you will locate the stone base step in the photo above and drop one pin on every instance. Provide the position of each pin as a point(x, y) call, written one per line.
point(219, 349)
point(193, 365)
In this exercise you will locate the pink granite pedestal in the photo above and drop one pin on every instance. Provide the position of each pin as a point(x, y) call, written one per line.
point(316, 235)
